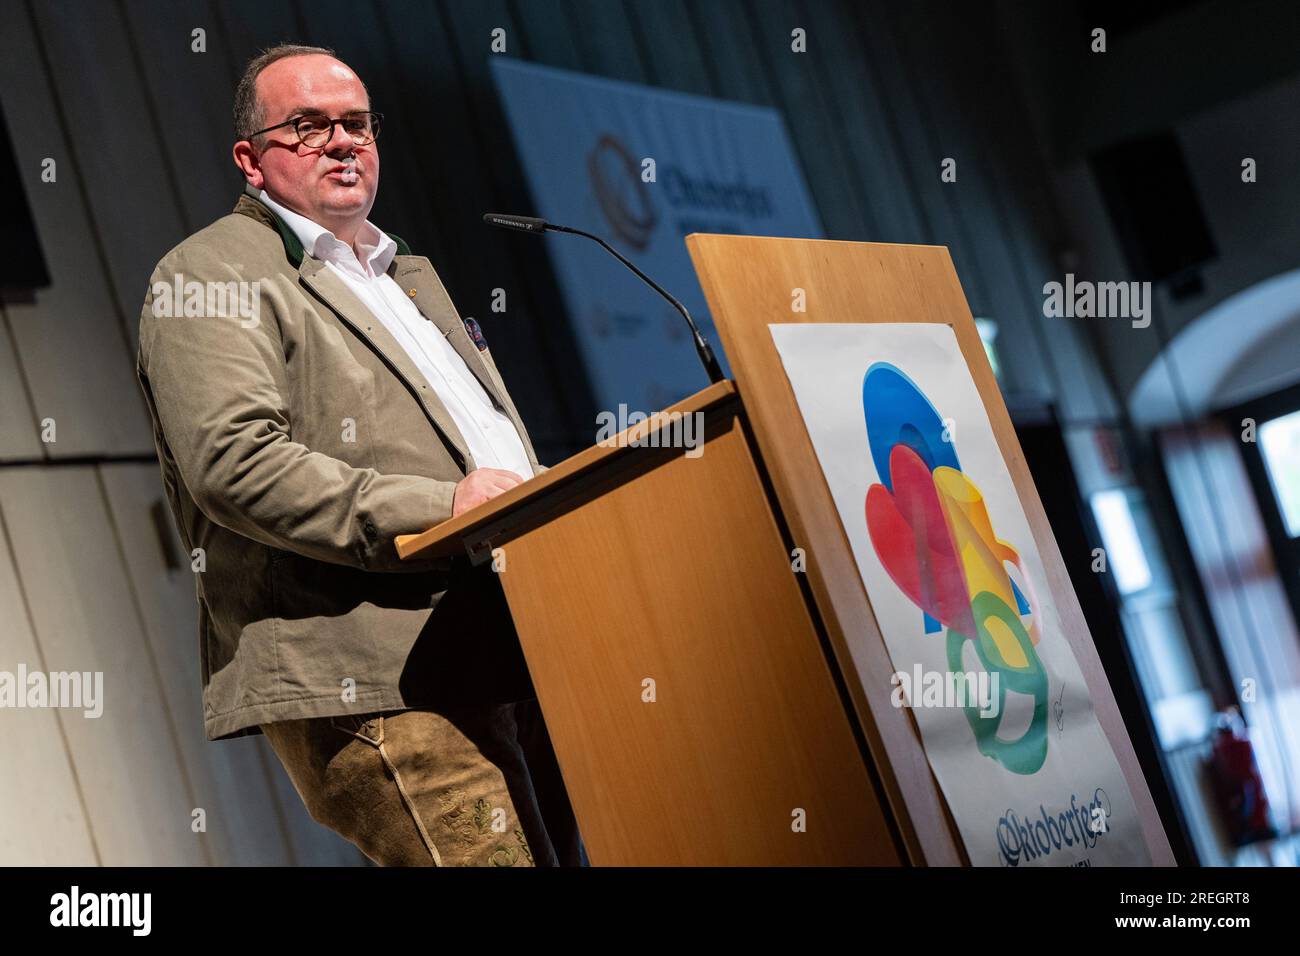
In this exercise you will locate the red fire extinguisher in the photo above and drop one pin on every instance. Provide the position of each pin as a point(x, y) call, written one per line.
point(1237, 783)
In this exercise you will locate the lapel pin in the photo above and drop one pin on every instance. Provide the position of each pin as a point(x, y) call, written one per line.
point(475, 334)
point(411, 293)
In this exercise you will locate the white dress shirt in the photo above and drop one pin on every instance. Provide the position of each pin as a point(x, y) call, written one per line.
point(493, 440)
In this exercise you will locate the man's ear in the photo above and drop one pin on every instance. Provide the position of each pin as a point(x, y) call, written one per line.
point(247, 160)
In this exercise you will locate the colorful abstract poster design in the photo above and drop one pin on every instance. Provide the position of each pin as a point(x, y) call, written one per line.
point(960, 595)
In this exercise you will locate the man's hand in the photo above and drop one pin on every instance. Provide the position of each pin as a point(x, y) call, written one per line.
point(480, 485)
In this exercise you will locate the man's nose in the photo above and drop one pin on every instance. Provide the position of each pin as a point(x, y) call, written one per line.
point(340, 141)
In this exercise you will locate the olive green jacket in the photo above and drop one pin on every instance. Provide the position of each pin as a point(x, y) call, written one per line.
point(296, 439)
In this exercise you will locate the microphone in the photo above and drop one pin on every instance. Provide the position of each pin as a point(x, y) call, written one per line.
point(538, 226)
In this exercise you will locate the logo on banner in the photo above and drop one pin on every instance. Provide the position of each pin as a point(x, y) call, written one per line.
point(623, 197)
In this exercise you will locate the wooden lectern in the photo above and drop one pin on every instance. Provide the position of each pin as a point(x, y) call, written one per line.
point(708, 704)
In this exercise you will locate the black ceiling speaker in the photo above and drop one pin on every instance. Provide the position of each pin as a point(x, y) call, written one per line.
point(22, 266)
point(1154, 208)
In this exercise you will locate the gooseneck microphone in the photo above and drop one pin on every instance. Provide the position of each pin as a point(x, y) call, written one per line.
point(538, 226)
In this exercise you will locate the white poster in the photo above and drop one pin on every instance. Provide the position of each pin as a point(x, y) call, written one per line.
point(960, 595)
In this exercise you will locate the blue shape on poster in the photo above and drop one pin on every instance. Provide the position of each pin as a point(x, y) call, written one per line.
point(898, 412)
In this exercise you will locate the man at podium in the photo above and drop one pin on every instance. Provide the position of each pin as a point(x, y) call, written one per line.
point(314, 394)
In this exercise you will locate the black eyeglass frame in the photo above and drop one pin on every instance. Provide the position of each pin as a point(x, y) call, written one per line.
point(375, 123)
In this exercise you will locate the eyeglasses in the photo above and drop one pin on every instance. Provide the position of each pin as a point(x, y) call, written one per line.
point(317, 129)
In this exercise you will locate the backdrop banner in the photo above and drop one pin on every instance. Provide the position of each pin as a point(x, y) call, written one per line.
point(642, 168)
point(960, 595)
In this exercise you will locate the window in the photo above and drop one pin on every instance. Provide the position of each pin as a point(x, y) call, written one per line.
point(1279, 446)
point(1119, 535)
point(1269, 428)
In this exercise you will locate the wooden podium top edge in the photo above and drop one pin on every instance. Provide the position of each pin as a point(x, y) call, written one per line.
point(445, 537)
point(834, 242)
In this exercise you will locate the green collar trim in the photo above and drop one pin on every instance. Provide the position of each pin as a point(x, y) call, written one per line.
point(254, 208)
point(402, 248)
point(292, 244)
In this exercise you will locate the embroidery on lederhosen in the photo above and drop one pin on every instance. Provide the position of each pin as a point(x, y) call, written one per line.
point(455, 817)
point(523, 845)
point(509, 855)
point(475, 334)
point(482, 815)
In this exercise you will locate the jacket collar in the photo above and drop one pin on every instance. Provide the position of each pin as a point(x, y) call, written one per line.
point(416, 276)
point(249, 205)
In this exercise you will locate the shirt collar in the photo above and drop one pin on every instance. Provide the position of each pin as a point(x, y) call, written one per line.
point(374, 246)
